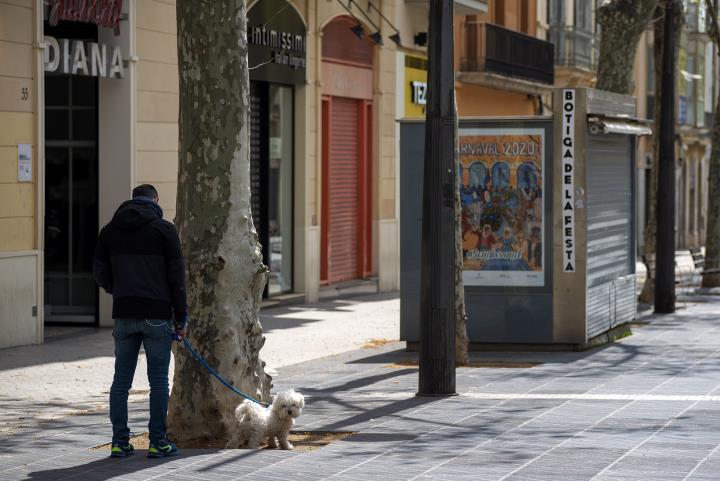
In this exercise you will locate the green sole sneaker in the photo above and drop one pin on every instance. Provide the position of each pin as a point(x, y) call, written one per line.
point(162, 449)
point(122, 450)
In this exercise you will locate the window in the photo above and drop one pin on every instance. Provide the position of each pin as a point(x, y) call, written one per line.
point(584, 15)
point(690, 83)
point(708, 77)
point(699, 86)
point(556, 13)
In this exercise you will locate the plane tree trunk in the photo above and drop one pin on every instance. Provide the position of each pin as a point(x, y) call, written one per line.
point(225, 272)
point(711, 278)
point(712, 240)
point(622, 22)
point(461, 337)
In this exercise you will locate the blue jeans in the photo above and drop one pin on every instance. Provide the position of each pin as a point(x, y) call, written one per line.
point(155, 336)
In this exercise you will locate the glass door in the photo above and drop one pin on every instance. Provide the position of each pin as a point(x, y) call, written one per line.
point(271, 179)
point(71, 198)
point(280, 189)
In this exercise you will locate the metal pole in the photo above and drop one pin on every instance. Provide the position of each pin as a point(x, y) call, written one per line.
point(665, 238)
point(437, 323)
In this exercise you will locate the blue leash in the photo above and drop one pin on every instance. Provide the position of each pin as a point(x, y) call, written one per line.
point(204, 363)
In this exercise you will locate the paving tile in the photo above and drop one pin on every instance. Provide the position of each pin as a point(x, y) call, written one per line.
point(459, 438)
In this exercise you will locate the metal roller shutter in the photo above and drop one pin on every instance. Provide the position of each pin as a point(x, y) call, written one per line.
point(610, 270)
point(609, 209)
point(343, 191)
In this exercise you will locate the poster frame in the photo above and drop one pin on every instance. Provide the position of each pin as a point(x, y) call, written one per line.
point(544, 124)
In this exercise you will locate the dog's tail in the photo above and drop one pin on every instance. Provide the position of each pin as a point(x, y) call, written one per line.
point(244, 408)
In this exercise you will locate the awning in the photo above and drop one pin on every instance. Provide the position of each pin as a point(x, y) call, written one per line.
point(618, 125)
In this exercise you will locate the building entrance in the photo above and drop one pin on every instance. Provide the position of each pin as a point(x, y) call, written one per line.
point(346, 216)
point(71, 190)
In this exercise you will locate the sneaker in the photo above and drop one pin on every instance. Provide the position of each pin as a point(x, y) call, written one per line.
point(162, 449)
point(121, 450)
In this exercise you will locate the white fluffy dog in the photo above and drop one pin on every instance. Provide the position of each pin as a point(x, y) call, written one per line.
point(257, 423)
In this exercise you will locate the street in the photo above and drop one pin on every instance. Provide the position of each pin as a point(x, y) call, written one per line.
point(645, 407)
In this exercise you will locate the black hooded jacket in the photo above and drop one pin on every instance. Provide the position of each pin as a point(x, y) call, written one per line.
point(139, 261)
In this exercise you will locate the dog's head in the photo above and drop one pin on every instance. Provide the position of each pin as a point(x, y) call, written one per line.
point(288, 404)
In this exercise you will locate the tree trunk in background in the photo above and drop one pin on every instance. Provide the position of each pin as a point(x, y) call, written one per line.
point(225, 272)
point(712, 239)
point(647, 295)
point(622, 22)
point(461, 337)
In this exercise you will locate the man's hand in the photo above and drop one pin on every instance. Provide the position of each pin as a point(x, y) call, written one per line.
point(181, 326)
point(180, 333)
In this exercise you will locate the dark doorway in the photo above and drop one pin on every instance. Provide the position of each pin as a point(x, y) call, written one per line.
point(71, 188)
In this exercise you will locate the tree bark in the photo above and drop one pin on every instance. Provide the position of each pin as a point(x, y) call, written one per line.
point(622, 22)
point(712, 240)
point(647, 295)
point(461, 337)
point(225, 272)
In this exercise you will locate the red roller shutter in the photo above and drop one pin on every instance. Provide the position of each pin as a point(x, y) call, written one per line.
point(343, 168)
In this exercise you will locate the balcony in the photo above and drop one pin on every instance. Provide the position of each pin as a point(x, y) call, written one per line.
point(574, 48)
point(461, 7)
point(489, 48)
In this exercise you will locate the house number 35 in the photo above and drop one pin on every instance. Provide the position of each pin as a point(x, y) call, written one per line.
point(24, 93)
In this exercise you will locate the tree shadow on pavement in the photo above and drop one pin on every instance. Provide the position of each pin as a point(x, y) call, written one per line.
point(75, 346)
point(389, 410)
point(291, 316)
point(45, 434)
point(108, 468)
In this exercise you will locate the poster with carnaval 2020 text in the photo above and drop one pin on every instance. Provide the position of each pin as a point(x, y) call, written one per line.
point(502, 199)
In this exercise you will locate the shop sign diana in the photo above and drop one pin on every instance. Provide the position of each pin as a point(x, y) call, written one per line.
point(76, 57)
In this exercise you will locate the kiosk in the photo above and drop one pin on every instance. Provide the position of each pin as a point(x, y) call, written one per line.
point(548, 222)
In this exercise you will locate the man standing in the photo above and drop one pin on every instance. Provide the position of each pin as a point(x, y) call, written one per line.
point(139, 261)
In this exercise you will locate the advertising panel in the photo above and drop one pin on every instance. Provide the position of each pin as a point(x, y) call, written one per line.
point(415, 94)
point(502, 199)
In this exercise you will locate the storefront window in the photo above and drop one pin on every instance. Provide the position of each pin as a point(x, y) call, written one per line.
point(276, 68)
point(280, 189)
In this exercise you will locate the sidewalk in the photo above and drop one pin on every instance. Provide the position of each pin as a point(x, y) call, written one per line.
point(71, 373)
point(647, 407)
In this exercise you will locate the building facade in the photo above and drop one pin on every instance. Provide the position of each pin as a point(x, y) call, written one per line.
point(89, 108)
point(697, 85)
point(504, 66)
point(572, 29)
point(503, 63)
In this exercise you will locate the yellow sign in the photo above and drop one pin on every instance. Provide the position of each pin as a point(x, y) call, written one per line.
point(415, 86)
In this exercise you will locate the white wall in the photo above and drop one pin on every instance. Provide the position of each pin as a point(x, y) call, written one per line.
point(18, 295)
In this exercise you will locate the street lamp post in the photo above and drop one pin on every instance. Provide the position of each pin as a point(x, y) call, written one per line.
point(437, 323)
point(665, 238)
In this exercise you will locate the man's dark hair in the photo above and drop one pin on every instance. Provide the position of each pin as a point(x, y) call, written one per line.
point(145, 190)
